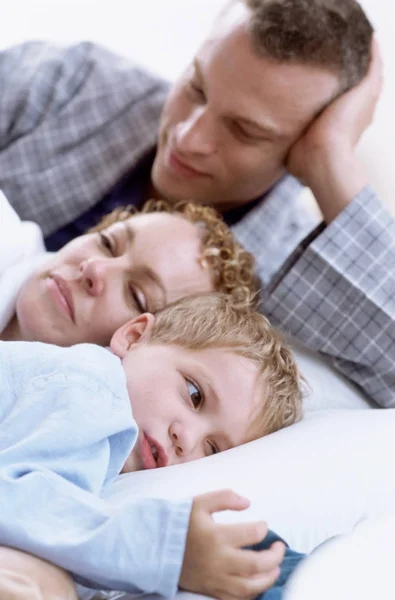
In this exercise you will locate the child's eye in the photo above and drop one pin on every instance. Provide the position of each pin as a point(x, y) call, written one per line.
point(213, 448)
point(195, 393)
point(106, 242)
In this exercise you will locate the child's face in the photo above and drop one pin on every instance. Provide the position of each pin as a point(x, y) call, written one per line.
point(187, 404)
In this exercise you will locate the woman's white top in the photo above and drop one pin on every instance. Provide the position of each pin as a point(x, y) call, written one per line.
point(21, 250)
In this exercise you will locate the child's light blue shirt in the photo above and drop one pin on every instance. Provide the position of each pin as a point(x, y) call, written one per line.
point(66, 429)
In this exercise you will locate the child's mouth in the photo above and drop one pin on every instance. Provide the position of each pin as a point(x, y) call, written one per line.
point(152, 454)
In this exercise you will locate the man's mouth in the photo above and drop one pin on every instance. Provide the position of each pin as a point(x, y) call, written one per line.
point(152, 454)
point(180, 167)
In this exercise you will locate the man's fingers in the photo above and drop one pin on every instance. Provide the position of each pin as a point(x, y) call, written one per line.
point(244, 534)
point(375, 74)
point(371, 85)
point(222, 500)
point(376, 61)
point(248, 563)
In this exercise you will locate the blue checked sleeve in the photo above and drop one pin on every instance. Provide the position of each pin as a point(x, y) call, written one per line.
point(336, 294)
point(77, 114)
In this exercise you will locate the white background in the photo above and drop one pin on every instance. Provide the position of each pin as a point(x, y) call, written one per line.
point(163, 34)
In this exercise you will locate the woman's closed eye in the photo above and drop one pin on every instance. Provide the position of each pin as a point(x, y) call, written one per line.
point(138, 298)
point(107, 243)
point(136, 294)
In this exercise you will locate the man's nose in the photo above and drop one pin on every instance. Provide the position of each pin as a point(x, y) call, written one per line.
point(195, 135)
point(94, 273)
point(184, 439)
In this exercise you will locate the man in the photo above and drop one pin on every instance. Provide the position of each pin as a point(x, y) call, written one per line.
point(277, 86)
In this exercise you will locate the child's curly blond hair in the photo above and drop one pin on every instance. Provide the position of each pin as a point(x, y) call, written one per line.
point(216, 320)
point(231, 266)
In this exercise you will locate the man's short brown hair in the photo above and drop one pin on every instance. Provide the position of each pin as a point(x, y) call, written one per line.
point(217, 321)
point(232, 267)
point(332, 34)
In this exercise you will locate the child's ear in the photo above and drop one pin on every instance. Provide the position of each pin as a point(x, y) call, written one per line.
point(133, 332)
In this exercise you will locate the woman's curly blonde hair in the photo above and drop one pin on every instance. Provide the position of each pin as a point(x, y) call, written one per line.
point(232, 267)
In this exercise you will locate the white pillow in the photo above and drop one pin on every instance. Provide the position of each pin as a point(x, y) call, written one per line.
point(18, 239)
point(21, 251)
point(359, 565)
point(311, 481)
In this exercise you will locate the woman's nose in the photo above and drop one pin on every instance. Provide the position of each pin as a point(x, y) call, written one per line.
point(94, 273)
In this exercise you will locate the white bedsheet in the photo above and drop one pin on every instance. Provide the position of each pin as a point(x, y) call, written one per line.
point(315, 480)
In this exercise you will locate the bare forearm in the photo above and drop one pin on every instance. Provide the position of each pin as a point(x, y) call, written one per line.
point(335, 178)
point(27, 577)
point(324, 157)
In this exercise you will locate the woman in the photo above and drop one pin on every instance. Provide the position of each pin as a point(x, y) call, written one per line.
point(129, 263)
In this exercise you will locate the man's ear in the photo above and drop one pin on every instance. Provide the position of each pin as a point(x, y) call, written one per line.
point(133, 332)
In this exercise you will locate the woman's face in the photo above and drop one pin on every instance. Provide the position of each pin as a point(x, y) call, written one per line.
point(99, 281)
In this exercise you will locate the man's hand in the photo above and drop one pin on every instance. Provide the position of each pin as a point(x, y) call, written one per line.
point(215, 563)
point(323, 158)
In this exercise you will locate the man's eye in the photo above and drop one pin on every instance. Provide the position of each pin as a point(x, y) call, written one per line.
point(106, 243)
point(195, 393)
point(196, 90)
point(244, 135)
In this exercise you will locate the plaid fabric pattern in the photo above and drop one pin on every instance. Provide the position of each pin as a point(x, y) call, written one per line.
point(74, 120)
point(337, 296)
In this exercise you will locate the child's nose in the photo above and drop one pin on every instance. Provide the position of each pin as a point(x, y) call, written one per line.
point(182, 438)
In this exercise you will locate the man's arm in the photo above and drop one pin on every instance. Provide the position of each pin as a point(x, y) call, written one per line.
point(324, 157)
point(336, 293)
point(38, 80)
point(73, 121)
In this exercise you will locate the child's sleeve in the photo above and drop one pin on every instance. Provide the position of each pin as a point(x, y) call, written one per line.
point(138, 548)
point(61, 438)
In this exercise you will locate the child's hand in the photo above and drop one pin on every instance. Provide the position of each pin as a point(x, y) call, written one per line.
point(215, 563)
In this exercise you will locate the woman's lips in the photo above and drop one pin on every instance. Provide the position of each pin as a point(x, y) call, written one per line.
point(62, 294)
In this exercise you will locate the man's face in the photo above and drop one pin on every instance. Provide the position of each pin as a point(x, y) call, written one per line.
point(230, 121)
point(187, 404)
point(99, 281)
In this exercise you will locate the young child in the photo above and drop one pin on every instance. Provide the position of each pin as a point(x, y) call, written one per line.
point(203, 375)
